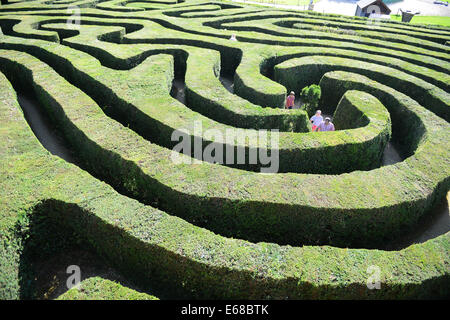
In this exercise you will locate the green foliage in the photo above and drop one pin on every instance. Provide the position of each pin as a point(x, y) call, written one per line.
point(10, 288)
point(425, 20)
point(97, 288)
point(187, 228)
point(311, 96)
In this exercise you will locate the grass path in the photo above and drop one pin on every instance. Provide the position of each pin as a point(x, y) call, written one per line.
point(437, 20)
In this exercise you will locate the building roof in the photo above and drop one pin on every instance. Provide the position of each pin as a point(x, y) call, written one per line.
point(365, 3)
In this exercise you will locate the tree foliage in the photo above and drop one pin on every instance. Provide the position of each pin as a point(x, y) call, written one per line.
point(311, 96)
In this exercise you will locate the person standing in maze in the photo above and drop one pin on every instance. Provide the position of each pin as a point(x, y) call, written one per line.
point(290, 100)
point(316, 120)
point(327, 125)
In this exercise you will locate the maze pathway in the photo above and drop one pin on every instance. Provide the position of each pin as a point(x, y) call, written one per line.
point(103, 73)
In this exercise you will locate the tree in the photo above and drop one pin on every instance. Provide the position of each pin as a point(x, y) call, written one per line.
point(311, 96)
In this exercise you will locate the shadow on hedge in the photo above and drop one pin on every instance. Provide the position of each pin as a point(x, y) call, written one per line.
point(54, 226)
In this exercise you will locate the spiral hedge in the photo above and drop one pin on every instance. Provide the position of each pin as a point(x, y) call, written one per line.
point(216, 230)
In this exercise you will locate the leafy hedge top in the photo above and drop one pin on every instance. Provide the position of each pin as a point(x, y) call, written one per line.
point(229, 268)
point(107, 88)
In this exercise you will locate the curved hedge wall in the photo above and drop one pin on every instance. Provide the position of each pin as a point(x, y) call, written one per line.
point(313, 230)
point(198, 200)
point(151, 245)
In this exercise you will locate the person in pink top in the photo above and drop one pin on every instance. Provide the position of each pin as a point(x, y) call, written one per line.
point(327, 125)
point(290, 100)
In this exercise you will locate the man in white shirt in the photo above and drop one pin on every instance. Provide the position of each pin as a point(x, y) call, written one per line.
point(316, 119)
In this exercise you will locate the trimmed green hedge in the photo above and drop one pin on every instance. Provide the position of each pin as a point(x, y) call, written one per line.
point(210, 195)
point(97, 288)
point(259, 92)
point(295, 149)
point(205, 94)
point(148, 241)
point(372, 30)
point(300, 72)
point(358, 109)
point(262, 28)
point(384, 27)
point(408, 130)
point(157, 249)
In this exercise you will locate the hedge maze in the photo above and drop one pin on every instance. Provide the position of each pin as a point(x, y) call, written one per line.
point(108, 85)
